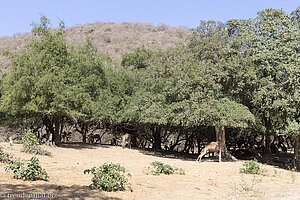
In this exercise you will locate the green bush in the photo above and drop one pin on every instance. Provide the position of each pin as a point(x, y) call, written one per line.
point(31, 144)
point(33, 171)
point(15, 166)
point(161, 168)
point(4, 156)
point(138, 58)
point(108, 177)
point(252, 167)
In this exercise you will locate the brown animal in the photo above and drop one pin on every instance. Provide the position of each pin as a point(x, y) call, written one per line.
point(126, 139)
point(212, 147)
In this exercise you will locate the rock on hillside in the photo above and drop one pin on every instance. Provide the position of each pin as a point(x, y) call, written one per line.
point(116, 39)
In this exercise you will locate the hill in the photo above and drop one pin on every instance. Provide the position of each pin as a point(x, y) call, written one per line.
point(115, 39)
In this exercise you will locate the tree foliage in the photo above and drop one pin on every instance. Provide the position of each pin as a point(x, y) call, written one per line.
point(50, 78)
point(138, 58)
point(271, 43)
point(242, 73)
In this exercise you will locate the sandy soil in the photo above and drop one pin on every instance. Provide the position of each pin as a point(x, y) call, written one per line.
point(206, 180)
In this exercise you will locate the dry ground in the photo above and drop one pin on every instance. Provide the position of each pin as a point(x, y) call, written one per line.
point(206, 180)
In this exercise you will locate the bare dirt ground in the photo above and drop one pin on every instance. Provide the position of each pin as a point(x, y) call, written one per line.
point(206, 180)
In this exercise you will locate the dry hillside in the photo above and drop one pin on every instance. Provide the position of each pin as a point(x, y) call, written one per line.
point(116, 39)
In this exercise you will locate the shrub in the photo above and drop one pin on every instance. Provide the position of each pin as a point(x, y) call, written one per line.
point(4, 156)
point(108, 177)
point(15, 166)
point(138, 58)
point(31, 144)
point(33, 171)
point(161, 168)
point(252, 167)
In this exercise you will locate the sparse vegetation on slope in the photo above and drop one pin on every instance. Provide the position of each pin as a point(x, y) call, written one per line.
point(115, 39)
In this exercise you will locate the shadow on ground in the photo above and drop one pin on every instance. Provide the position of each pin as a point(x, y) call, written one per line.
point(169, 154)
point(81, 145)
point(50, 192)
point(281, 160)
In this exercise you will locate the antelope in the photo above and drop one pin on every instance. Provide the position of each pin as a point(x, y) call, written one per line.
point(212, 147)
point(126, 139)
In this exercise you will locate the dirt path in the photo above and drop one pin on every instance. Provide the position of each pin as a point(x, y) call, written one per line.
point(207, 180)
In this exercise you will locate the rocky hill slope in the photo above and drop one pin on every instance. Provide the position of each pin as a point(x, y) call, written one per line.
point(116, 39)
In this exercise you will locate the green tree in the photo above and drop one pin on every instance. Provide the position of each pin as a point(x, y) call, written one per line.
point(271, 43)
point(223, 82)
point(138, 58)
point(178, 89)
point(116, 96)
point(35, 84)
point(51, 79)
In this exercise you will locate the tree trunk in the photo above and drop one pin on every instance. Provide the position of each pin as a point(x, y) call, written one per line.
point(56, 136)
point(220, 135)
point(224, 148)
point(82, 127)
point(157, 138)
point(268, 143)
point(267, 135)
point(297, 152)
point(199, 148)
point(49, 129)
point(186, 144)
point(199, 139)
point(189, 146)
point(175, 143)
point(134, 142)
point(84, 130)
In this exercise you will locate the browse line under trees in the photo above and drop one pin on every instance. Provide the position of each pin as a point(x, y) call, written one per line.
point(238, 74)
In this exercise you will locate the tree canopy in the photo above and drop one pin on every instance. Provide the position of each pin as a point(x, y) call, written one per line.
point(49, 78)
point(238, 74)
